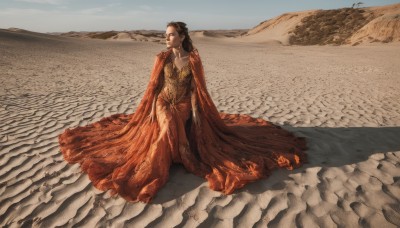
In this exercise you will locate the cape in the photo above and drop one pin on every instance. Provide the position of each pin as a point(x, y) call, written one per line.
point(228, 150)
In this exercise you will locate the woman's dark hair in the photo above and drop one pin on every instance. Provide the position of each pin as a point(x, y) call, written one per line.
point(181, 28)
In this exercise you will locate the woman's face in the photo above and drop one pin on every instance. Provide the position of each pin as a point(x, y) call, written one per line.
point(172, 38)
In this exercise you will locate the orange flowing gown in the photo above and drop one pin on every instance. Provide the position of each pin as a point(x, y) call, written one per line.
point(130, 155)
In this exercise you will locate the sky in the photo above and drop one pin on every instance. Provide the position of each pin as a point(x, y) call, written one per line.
point(119, 15)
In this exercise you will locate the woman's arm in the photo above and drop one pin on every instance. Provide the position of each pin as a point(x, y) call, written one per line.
point(195, 112)
point(153, 109)
point(156, 92)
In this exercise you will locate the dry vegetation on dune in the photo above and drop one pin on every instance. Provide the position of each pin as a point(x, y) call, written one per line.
point(329, 26)
point(344, 26)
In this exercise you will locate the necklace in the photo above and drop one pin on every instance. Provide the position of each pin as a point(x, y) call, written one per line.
point(173, 60)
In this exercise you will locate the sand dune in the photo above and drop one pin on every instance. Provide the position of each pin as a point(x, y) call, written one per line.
point(345, 26)
point(276, 29)
point(385, 28)
point(225, 33)
point(382, 25)
point(344, 100)
point(123, 36)
point(205, 34)
point(151, 35)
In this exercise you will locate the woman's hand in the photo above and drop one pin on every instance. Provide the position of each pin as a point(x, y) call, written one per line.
point(152, 116)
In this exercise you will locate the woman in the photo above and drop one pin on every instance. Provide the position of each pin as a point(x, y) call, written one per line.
point(177, 122)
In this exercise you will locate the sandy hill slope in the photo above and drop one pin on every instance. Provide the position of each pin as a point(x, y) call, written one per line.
point(275, 29)
point(134, 35)
point(385, 27)
point(15, 35)
point(338, 26)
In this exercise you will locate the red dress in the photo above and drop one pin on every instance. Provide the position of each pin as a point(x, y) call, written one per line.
point(131, 155)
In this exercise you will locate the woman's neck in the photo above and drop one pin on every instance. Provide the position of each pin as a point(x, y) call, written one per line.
point(179, 53)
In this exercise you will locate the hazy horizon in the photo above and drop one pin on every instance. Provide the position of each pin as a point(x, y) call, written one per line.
point(105, 15)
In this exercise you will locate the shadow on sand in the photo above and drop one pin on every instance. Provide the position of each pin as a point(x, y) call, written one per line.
point(327, 147)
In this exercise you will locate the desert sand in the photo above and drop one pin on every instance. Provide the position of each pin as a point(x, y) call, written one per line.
point(344, 99)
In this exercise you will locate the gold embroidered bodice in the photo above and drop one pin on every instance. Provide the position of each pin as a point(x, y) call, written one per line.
point(176, 83)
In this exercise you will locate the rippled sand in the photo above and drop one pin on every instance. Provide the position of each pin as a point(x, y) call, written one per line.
point(344, 100)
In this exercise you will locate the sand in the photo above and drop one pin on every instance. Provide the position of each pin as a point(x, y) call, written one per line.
point(345, 100)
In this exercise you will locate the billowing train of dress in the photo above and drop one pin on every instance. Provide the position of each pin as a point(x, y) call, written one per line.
point(130, 155)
